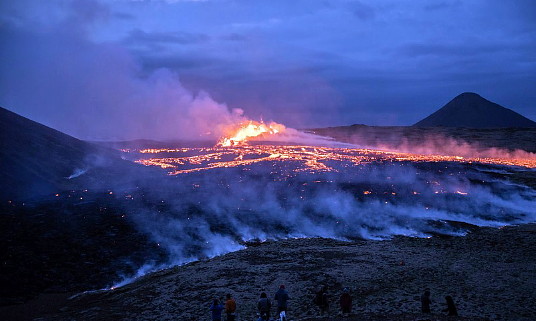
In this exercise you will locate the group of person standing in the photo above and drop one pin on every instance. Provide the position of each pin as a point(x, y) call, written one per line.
point(230, 309)
point(426, 301)
point(345, 301)
point(321, 300)
point(264, 306)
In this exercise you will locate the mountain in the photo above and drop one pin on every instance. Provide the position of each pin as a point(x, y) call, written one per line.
point(36, 160)
point(473, 111)
point(62, 229)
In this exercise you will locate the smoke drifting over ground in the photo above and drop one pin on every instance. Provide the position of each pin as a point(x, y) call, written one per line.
point(440, 145)
point(507, 143)
point(203, 214)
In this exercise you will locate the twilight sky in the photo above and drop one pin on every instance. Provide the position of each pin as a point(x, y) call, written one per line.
point(121, 69)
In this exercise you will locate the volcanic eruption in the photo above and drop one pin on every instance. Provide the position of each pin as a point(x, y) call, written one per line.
point(240, 134)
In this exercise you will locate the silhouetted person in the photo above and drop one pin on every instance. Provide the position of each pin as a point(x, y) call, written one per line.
point(451, 307)
point(216, 309)
point(322, 300)
point(425, 301)
point(230, 308)
point(281, 296)
point(346, 301)
point(264, 306)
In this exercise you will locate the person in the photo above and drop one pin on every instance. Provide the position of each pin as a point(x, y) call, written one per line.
point(426, 301)
point(230, 308)
point(322, 300)
point(346, 301)
point(216, 309)
point(264, 306)
point(281, 296)
point(451, 308)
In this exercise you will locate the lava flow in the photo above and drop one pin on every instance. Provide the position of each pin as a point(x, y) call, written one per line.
point(235, 149)
point(304, 158)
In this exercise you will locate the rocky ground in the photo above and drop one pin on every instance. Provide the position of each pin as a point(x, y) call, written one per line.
point(490, 273)
point(75, 242)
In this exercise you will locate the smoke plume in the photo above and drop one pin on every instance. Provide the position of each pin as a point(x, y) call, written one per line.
point(95, 90)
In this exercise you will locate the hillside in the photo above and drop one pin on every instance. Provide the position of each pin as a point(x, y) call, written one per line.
point(37, 160)
point(473, 111)
point(61, 226)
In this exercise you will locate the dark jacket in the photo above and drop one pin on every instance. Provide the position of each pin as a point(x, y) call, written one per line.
point(230, 306)
point(346, 301)
point(281, 296)
point(322, 299)
point(451, 307)
point(425, 302)
point(216, 311)
point(264, 305)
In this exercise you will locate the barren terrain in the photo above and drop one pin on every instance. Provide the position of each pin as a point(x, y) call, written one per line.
point(490, 274)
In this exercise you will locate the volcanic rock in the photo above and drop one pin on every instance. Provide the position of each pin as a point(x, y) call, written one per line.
point(489, 273)
point(473, 111)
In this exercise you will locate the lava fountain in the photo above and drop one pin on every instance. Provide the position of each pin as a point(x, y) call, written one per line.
point(239, 135)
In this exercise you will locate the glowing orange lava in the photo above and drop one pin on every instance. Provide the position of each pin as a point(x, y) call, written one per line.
point(310, 158)
point(248, 130)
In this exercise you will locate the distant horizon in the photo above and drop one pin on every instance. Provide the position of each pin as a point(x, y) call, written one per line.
point(212, 139)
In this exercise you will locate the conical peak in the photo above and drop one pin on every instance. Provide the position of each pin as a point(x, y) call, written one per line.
point(474, 111)
point(469, 95)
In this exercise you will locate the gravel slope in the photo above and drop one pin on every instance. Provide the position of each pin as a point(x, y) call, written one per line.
point(490, 273)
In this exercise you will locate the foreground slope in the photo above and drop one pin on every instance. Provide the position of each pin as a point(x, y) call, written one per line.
point(473, 111)
point(61, 226)
point(490, 274)
point(37, 160)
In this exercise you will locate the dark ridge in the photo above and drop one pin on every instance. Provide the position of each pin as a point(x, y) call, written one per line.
point(36, 160)
point(470, 110)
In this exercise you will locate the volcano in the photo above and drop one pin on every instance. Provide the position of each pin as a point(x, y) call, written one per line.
point(38, 160)
point(471, 110)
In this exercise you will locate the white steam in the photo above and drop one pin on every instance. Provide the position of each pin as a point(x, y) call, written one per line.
point(231, 206)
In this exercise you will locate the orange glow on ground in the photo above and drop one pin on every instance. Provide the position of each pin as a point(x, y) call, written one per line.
point(309, 158)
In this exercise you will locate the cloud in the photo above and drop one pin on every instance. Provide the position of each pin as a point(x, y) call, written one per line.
point(362, 10)
point(442, 5)
point(99, 90)
point(445, 49)
point(265, 56)
point(138, 36)
point(236, 37)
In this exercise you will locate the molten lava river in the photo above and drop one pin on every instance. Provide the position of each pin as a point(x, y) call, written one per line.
point(264, 191)
point(206, 201)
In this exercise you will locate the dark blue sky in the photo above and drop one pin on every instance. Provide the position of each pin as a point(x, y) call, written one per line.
point(165, 69)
